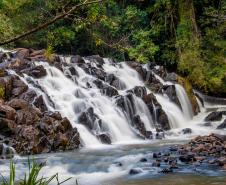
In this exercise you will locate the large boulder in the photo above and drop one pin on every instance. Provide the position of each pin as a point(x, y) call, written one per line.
point(104, 138)
point(7, 112)
point(36, 71)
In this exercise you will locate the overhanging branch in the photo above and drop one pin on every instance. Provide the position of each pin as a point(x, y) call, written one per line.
point(46, 24)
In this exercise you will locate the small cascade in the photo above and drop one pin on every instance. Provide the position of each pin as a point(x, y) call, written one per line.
point(184, 101)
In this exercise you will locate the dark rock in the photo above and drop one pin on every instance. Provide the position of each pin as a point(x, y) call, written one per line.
point(7, 126)
point(222, 125)
point(173, 149)
point(139, 91)
point(138, 67)
point(166, 170)
point(99, 61)
point(214, 116)
point(139, 125)
point(187, 131)
point(118, 164)
point(39, 103)
point(135, 171)
point(106, 89)
point(36, 71)
point(143, 160)
point(170, 91)
point(104, 138)
point(22, 53)
point(190, 157)
point(77, 59)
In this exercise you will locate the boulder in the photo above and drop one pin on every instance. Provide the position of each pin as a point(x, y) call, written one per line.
point(172, 77)
point(187, 131)
point(214, 116)
point(106, 89)
point(170, 91)
point(18, 104)
point(40, 103)
point(36, 71)
point(135, 171)
point(104, 138)
point(22, 53)
point(99, 61)
point(138, 67)
point(222, 125)
point(7, 112)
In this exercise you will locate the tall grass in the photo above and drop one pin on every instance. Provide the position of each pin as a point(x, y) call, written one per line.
point(32, 178)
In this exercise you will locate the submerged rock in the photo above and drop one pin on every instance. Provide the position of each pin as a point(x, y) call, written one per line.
point(222, 125)
point(135, 171)
point(214, 116)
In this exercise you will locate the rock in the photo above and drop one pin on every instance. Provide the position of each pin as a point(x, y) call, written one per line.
point(170, 91)
point(187, 131)
point(39, 103)
point(135, 171)
point(18, 87)
point(77, 59)
point(222, 125)
point(166, 170)
point(187, 158)
point(7, 112)
point(106, 89)
point(139, 91)
point(143, 160)
point(104, 138)
point(22, 53)
point(7, 126)
point(36, 71)
point(139, 125)
point(214, 116)
point(173, 149)
point(99, 61)
point(172, 77)
point(18, 104)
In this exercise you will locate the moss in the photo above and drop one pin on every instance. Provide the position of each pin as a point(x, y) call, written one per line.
point(2, 93)
point(189, 90)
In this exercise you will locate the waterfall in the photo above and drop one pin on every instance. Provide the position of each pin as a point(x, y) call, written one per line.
point(184, 101)
point(101, 99)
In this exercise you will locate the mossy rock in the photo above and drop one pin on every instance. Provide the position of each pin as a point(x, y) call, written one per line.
point(189, 90)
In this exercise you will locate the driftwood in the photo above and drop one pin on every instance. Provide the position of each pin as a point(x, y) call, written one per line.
point(46, 24)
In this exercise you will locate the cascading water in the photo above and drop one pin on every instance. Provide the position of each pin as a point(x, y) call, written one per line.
point(79, 94)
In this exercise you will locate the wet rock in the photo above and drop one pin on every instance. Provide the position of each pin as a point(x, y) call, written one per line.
point(106, 89)
point(214, 116)
point(77, 59)
point(187, 131)
point(104, 138)
point(89, 119)
point(7, 112)
point(139, 91)
point(139, 125)
point(190, 157)
point(99, 61)
point(36, 71)
point(173, 149)
point(135, 171)
point(170, 91)
point(222, 125)
point(118, 164)
point(22, 53)
point(159, 135)
point(153, 83)
point(143, 160)
point(166, 170)
point(39, 103)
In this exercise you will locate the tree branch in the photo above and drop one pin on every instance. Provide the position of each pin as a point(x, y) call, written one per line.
point(46, 24)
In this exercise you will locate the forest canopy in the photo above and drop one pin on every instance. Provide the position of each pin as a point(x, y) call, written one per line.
point(186, 36)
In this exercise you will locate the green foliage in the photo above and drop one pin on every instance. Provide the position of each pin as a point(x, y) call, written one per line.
point(32, 178)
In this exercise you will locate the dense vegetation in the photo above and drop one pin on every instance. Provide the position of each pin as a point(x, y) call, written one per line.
point(187, 36)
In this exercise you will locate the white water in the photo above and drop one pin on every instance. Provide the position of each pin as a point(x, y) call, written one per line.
point(71, 97)
point(184, 101)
